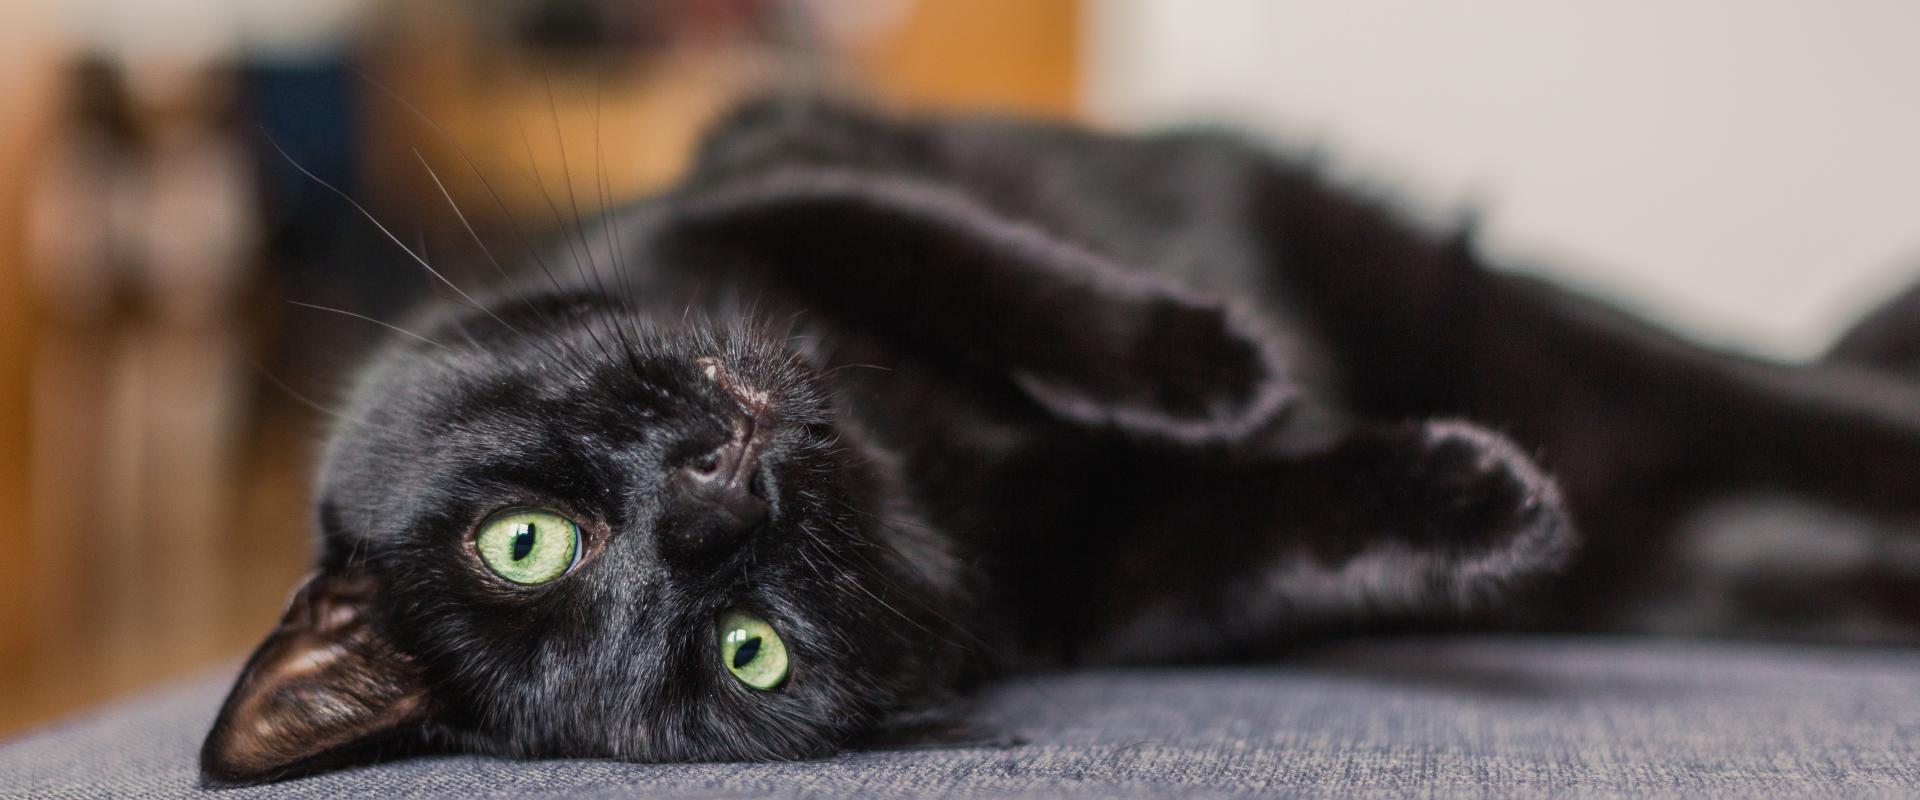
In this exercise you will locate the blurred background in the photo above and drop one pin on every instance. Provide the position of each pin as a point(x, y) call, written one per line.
point(177, 280)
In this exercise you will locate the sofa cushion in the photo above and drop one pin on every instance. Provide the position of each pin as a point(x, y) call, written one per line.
point(1388, 718)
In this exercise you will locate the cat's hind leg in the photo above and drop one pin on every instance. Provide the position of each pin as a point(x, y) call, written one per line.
point(1886, 338)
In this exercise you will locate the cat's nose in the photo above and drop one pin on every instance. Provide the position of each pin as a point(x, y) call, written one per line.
point(719, 495)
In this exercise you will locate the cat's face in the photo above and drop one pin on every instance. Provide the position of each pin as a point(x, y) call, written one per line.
point(442, 606)
point(578, 534)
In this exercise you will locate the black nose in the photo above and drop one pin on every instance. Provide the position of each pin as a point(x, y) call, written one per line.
point(718, 495)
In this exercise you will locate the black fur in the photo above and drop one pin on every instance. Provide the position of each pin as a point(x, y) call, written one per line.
point(1044, 396)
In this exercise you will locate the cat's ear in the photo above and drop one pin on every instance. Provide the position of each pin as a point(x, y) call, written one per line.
point(1092, 341)
point(322, 683)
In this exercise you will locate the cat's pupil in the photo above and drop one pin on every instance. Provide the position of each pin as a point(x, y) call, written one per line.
point(744, 655)
point(523, 540)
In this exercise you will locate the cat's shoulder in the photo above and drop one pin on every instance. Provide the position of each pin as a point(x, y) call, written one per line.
point(782, 130)
point(814, 129)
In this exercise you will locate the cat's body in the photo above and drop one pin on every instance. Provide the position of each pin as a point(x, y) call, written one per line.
point(1006, 394)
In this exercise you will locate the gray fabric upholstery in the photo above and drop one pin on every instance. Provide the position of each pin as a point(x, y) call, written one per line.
point(1447, 717)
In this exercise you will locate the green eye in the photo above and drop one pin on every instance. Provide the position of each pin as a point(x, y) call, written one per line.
point(752, 651)
point(529, 545)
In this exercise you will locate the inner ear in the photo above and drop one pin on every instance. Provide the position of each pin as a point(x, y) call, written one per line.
point(322, 683)
point(1093, 341)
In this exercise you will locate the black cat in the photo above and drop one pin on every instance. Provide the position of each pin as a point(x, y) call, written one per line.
point(868, 409)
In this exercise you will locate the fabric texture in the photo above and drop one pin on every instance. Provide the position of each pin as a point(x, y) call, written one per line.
point(1479, 716)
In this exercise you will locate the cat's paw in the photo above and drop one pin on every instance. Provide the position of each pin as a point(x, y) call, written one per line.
point(1477, 490)
point(1466, 496)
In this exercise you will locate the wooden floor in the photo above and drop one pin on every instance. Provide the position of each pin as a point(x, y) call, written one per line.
point(114, 621)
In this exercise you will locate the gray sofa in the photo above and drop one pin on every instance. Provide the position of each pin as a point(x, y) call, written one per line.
point(1467, 716)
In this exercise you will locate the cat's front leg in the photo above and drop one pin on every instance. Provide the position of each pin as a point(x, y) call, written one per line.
point(1428, 521)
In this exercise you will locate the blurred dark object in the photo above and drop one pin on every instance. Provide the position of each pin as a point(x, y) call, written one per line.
point(612, 32)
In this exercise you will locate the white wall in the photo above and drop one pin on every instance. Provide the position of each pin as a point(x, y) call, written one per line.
point(1746, 170)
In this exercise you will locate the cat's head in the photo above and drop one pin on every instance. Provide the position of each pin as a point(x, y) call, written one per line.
point(561, 526)
point(562, 530)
